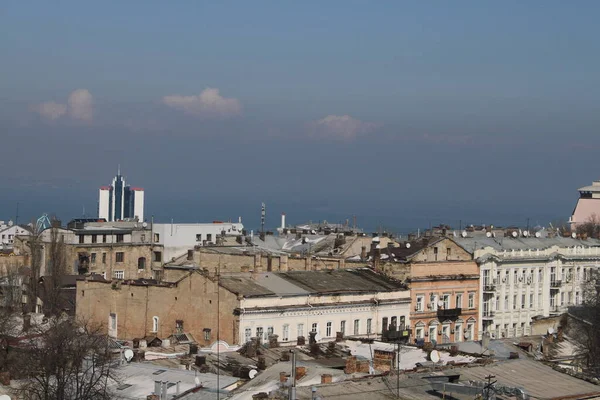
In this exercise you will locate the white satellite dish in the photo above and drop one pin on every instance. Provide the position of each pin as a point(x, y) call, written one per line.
point(537, 235)
point(376, 239)
point(464, 234)
point(145, 224)
point(434, 356)
point(573, 235)
point(550, 331)
point(515, 234)
point(378, 246)
point(318, 337)
point(488, 234)
point(440, 304)
point(128, 355)
point(5, 397)
point(10, 223)
point(407, 245)
point(525, 233)
point(197, 381)
point(252, 373)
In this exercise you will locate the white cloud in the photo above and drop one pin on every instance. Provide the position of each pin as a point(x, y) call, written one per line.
point(340, 127)
point(79, 106)
point(209, 103)
point(51, 110)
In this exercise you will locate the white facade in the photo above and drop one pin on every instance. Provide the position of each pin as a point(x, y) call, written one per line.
point(289, 317)
point(519, 284)
point(138, 204)
point(8, 233)
point(103, 203)
point(177, 238)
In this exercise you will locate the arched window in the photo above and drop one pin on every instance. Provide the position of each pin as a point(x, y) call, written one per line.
point(154, 324)
point(142, 263)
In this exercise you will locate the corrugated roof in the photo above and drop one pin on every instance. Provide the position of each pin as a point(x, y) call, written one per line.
point(470, 244)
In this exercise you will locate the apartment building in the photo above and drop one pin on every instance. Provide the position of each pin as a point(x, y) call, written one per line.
point(524, 275)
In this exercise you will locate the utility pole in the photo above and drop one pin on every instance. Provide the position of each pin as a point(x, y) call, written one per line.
point(292, 393)
point(487, 390)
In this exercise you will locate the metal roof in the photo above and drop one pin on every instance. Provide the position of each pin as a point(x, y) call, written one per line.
point(473, 243)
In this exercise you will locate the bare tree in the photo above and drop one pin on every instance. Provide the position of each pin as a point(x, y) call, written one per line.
point(11, 320)
point(584, 324)
point(35, 246)
point(56, 269)
point(590, 228)
point(67, 360)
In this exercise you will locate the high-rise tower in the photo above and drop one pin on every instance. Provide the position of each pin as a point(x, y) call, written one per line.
point(119, 201)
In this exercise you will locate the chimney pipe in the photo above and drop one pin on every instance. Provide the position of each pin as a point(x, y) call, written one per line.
point(157, 388)
point(282, 221)
point(163, 394)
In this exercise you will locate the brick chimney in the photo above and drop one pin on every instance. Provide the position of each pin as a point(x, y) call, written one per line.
point(326, 378)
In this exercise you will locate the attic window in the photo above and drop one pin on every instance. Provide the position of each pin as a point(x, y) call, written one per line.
point(160, 371)
point(123, 386)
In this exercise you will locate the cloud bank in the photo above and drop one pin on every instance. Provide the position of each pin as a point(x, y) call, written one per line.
point(342, 127)
point(80, 106)
point(208, 104)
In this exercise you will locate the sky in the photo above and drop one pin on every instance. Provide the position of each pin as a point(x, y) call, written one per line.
point(404, 114)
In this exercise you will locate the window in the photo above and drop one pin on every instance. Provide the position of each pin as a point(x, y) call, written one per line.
point(142, 263)
point(459, 300)
point(143, 238)
point(120, 237)
point(103, 258)
point(93, 258)
point(506, 306)
point(259, 332)
point(562, 299)
point(516, 279)
point(448, 253)
point(113, 321)
point(206, 332)
point(369, 326)
point(458, 332)
point(155, 324)
point(179, 325)
point(523, 301)
point(469, 331)
point(199, 237)
point(270, 332)
point(343, 327)
point(540, 300)
point(247, 335)
point(419, 306)
point(433, 301)
point(357, 326)
point(394, 322)
point(328, 329)
point(314, 327)
point(435, 253)
point(552, 274)
point(103, 275)
point(119, 274)
point(285, 333)
point(531, 300)
point(419, 333)
point(158, 256)
point(576, 298)
point(497, 303)
point(81, 239)
point(103, 238)
point(384, 323)
point(119, 256)
point(515, 302)
point(300, 330)
point(446, 301)
point(94, 238)
point(156, 238)
point(471, 300)
point(432, 333)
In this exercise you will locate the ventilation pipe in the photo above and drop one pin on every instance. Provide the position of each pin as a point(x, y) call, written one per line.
point(282, 221)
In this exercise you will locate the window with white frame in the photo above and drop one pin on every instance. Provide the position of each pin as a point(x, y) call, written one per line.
point(471, 300)
point(369, 326)
point(514, 302)
point(506, 307)
point(270, 332)
point(343, 327)
point(459, 297)
point(433, 301)
point(420, 300)
point(523, 300)
point(419, 332)
point(119, 274)
point(356, 326)
point(300, 330)
point(328, 329)
point(285, 333)
point(432, 333)
point(155, 324)
point(458, 332)
point(259, 332)
point(531, 300)
point(446, 301)
point(497, 303)
point(516, 277)
point(247, 334)
point(314, 327)
point(540, 302)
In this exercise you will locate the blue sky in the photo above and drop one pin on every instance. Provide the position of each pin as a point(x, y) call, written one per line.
point(404, 113)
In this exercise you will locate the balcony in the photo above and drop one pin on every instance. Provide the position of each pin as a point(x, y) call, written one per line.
point(555, 284)
point(557, 310)
point(449, 313)
point(488, 314)
point(489, 287)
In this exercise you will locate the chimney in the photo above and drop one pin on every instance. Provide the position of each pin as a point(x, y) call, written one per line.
point(363, 253)
point(163, 392)
point(326, 378)
point(282, 377)
point(282, 221)
point(157, 388)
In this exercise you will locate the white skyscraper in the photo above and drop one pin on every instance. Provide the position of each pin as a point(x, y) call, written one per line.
point(119, 201)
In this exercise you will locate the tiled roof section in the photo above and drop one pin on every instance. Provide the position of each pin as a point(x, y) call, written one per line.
point(342, 281)
point(404, 253)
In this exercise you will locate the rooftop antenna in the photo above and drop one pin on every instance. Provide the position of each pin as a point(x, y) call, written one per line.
point(118, 169)
point(262, 218)
point(17, 215)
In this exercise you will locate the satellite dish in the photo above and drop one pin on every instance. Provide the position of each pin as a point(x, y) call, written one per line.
point(10, 223)
point(376, 239)
point(407, 245)
point(515, 234)
point(537, 235)
point(573, 235)
point(197, 381)
point(464, 234)
point(5, 397)
point(318, 337)
point(488, 234)
point(550, 332)
point(378, 246)
point(440, 303)
point(128, 355)
point(145, 224)
point(434, 356)
point(525, 233)
point(252, 373)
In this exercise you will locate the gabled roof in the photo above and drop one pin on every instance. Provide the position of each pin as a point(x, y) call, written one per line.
point(406, 253)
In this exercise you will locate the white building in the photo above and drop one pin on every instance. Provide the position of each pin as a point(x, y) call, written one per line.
point(524, 277)
point(355, 302)
point(8, 232)
point(120, 201)
point(588, 206)
point(178, 238)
